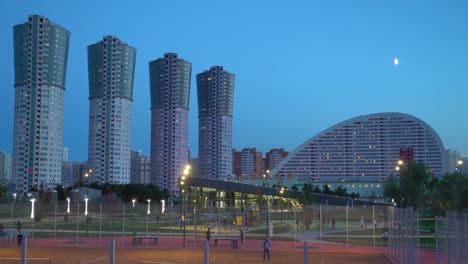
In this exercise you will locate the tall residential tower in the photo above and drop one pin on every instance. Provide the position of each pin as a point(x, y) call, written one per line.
point(41, 52)
point(170, 90)
point(215, 89)
point(111, 67)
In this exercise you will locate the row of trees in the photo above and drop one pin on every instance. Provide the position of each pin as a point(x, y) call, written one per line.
point(418, 188)
point(126, 192)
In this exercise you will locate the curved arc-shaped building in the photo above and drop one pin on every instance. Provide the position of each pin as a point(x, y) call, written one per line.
point(367, 145)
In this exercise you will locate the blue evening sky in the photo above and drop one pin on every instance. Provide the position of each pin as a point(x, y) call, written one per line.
point(300, 66)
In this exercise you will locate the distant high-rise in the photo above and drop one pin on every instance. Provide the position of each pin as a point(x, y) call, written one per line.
point(41, 52)
point(215, 90)
point(451, 161)
point(248, 163)
point(73, 172)
point(139, 168)
point(273, 157)
point(111, 67)
point(170, 90)
point(65, 154)
point(5, 166)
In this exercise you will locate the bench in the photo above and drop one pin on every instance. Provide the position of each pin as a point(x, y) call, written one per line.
point(138, 240)
point(234, 241)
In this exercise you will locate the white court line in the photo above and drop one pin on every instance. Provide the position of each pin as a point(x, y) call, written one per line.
point(89, 261)
point(150, 262)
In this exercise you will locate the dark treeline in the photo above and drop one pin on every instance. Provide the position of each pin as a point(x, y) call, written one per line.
point(418, 188)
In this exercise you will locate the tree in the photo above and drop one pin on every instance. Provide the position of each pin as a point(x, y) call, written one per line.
point(340, 191)
point(414, 185)
point(60, 192)
point(451, 193)
point(3, 191)
point(392, 190)
point(326, 190)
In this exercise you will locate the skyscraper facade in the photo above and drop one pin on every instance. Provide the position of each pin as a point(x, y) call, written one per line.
point(111, 67)
point(170, 90)
point(215, 90)
point(40, 56)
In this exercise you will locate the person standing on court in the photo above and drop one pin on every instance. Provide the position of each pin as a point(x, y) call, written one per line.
point(266, 248)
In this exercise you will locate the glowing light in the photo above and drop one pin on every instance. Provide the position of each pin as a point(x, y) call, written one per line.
point(163, 206)
point(395, 61)
point(86, 206)
point(32, 208)
point(133, 202)
point(149, 206)
point(68, 204)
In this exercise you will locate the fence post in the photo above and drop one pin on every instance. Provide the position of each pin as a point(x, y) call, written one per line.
point(24, 250)
point(55, 219)
point(347, 227)
point(436, 229)
point(306, 253)
point(206, 252)
point(112, 251)
point(123, 221)
point(100, 224)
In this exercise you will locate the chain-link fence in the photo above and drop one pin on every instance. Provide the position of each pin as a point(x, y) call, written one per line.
point(452, 238)
point(403, 235)
point(189, 219)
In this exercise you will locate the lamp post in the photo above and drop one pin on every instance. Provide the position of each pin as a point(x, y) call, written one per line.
point(68, 205)
point(267, 222)
point(32, 214)
point(13, 209)
point(459, 166)
point(147, 214)
point(281, 200)
point(86, 214)
point(182, 182)
point(87, 175)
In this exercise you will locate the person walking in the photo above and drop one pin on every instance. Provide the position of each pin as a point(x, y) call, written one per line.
point(242, 236)
point(19, 239)
point(208, 234)
point(18, 226)
point(266, 248)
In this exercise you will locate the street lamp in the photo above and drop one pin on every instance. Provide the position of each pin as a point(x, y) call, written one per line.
point(147, 213)
point(32, 208)
point(13, 209)
point(459, 166)
point(86, 214)
point(133, 202)
point(68, 205)
point(185, 174)
point(87, 174)
point(281, 200)
point(32, 214)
